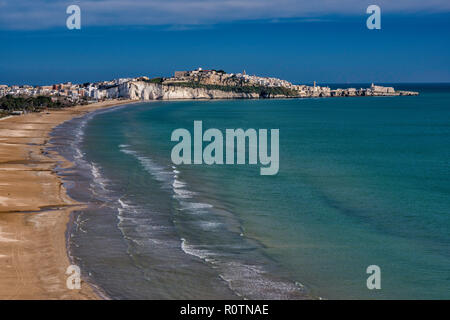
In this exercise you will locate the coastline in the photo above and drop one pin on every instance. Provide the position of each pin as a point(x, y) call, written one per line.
point(35, 209)
point(144, 253)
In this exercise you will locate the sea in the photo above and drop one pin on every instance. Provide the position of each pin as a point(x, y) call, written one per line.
point(362, 181)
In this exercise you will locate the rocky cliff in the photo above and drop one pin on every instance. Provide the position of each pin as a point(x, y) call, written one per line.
point(141, 90)
point(145, 90)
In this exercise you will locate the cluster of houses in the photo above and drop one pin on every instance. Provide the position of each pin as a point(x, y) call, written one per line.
point(220, 77)
point(243, 79)
point(68, 90)
point(72, 92)
point(372, 91)
point(214, 77)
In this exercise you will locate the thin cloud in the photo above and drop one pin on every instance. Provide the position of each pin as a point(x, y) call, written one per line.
point(42, 14)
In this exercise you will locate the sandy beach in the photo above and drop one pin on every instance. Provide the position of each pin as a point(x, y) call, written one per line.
point(35, 209)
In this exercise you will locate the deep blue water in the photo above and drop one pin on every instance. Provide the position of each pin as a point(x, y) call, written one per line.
point(362, 181)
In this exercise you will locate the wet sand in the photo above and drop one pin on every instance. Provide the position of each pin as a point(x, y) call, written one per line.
point(35, 209)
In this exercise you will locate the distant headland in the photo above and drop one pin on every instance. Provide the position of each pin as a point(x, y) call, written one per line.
point(195, 84)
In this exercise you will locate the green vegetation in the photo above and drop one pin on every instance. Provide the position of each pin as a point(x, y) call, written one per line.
point(154, 80)
point(262, 91)
point(9, 104)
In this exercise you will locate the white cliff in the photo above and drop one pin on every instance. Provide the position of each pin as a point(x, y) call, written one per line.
point(141, 90)
point(145, 90)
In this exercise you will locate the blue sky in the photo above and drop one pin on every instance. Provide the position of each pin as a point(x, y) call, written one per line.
point(300, 41)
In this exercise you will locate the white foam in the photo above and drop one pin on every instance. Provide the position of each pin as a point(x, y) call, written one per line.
point(150, 166)
point(208, 225)
point(182, 194)
point(196, 205)
point(78, 154)
point(123, 204)
point(199, 253)
point(95, 171)
point(98, 179)
point(177, 184)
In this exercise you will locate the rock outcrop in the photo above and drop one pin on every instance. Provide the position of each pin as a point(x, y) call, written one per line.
point(141, 90)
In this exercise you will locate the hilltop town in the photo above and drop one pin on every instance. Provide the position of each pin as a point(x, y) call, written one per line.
point(195, 84)
point(220, 78)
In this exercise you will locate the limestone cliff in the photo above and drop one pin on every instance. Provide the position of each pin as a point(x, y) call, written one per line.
point(145, 90)
point(141, 90)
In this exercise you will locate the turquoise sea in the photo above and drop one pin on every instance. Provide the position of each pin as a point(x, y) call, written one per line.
point(362, 181)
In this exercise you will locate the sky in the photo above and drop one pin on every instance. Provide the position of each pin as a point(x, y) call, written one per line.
point(301, 41)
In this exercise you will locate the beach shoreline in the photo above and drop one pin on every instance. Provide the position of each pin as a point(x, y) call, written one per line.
point(35, 210)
